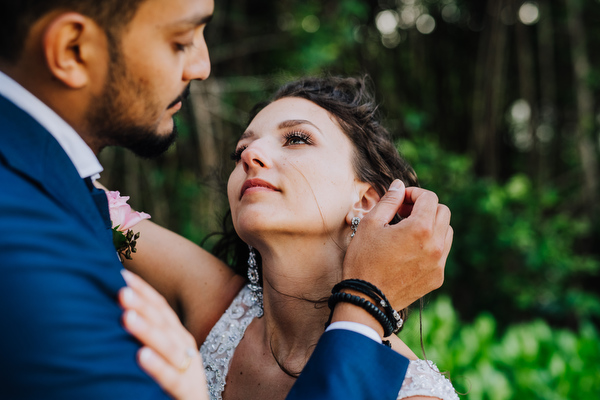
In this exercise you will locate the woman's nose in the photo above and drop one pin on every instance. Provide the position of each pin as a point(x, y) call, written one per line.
point(255, 156)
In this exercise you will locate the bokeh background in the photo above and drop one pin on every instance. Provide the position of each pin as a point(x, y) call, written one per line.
point(496, 105)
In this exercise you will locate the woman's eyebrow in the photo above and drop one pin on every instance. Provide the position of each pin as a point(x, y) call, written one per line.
point(290, 123)
point(247, 134)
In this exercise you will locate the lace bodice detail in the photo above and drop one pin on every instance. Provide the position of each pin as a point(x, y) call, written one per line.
point(217, 350)
point(422, 377)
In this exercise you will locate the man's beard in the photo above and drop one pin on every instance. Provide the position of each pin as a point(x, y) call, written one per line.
point(113, 126)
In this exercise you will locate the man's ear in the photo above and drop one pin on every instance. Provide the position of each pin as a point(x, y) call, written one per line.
point(367, 199)
point(71, 46)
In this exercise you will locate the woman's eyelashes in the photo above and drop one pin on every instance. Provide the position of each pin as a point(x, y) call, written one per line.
point(289, 139)
point(297, 137)
point(237, 154)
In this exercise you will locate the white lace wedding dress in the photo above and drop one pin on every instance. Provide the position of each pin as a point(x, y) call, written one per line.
point(422, 377)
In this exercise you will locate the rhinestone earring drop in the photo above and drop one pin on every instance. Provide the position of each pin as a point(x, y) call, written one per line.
point(354, 226)
point(255, 288)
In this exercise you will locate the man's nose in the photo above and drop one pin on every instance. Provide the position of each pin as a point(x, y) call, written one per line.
point(198, 63)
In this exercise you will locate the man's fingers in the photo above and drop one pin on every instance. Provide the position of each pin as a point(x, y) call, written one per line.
point(424, 204)
point(405, 210)
point(441, 229)
point(448, 243)
point(389, 204)
point(442, 218)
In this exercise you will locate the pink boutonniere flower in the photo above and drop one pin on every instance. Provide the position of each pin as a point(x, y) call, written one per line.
point(123, 218)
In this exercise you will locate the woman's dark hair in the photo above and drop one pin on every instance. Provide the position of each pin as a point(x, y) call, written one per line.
point(376, 160)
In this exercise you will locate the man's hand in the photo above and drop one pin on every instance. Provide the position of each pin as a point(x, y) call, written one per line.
point(405, 260)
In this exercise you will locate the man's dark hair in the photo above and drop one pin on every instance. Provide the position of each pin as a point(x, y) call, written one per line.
point(17, 17)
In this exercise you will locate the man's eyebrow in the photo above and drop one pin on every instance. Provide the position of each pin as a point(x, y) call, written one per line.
point(194, 21)
point(290, 123)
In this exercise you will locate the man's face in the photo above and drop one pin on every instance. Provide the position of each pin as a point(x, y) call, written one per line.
point(152, 64)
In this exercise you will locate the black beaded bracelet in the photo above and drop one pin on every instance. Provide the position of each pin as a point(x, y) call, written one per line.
point(377, 295)
point(348, 284)
point(366, 305)
point(392, 314)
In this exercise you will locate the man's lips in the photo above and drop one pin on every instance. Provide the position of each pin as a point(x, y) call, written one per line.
point(177, 102)
point(257, 185)
point(176, 106)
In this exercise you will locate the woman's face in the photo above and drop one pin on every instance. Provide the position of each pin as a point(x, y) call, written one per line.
point(293, 174)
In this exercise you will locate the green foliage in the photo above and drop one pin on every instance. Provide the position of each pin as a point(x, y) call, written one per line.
point(515, 248)
point(335, 34)
point(528, 361)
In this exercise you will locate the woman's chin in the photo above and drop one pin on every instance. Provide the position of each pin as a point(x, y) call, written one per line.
point(251, 227)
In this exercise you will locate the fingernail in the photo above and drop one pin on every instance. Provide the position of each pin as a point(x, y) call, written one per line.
point(130, 317)
point(397, 184)
point(127, 295)
point(145, 354)
point(126, 275)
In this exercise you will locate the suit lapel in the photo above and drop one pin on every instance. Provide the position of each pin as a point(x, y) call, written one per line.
point(29, 149)
point(101, 202)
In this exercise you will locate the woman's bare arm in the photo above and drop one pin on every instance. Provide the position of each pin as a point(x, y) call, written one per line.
point(195, 283)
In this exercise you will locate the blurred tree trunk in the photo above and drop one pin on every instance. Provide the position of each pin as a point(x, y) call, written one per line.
point(488, 96)
point(202, 102)
point(584, 128)
point(527, 89)
point(206, 101)
point(548, 90)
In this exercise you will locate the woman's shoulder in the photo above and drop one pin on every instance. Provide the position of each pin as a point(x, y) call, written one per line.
point(423, 377)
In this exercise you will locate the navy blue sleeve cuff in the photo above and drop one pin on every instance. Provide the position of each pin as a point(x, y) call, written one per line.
point(350, 366)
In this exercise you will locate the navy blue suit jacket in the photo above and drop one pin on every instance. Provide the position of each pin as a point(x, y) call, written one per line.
point(61, 336)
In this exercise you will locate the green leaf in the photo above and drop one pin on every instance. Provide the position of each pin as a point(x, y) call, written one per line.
point(119, 240)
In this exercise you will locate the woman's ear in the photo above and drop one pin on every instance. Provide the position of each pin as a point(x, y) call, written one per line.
point(71, 47)
point(367, 199)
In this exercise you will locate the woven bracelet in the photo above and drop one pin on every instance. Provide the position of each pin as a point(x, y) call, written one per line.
point(392, 314)
point(376, 294)
point(366, 305)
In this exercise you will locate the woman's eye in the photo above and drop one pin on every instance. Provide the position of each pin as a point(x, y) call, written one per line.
point(294, 138)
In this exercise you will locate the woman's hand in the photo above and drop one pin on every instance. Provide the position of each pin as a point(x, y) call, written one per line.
point(169, 353)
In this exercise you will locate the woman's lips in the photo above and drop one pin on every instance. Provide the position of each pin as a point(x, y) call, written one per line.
point(257, 185)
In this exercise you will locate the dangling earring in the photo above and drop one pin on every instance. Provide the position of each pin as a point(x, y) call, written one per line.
point(354, 226)
point(255, 288)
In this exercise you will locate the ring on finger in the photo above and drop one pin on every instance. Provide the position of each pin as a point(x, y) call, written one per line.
point(190, 353)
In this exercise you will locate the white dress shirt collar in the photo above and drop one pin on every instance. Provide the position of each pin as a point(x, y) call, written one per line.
point(79, 152)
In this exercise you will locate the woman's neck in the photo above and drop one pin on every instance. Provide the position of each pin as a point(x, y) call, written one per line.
point(297, 279)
